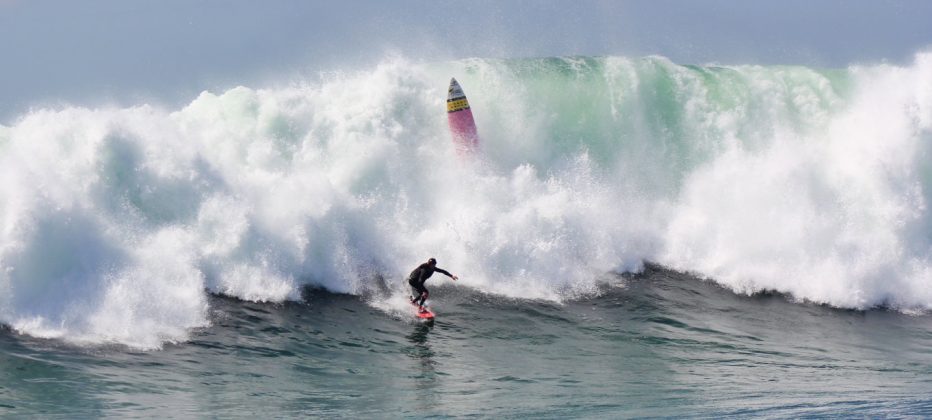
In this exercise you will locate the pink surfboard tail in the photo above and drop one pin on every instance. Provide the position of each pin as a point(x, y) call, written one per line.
point(462, 125)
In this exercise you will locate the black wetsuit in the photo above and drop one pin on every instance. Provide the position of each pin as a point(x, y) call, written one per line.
point(420, 275)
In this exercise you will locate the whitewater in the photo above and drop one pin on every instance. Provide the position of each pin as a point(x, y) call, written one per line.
point(118, 225)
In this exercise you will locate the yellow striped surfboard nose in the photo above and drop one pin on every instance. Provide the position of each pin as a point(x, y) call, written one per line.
point(459, 104)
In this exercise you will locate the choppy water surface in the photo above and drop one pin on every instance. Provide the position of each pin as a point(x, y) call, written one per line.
point(659, 344)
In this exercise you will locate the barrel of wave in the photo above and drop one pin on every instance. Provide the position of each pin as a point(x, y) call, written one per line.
point(462, 124)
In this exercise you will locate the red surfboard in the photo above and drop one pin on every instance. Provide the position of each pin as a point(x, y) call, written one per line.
point(426, 314)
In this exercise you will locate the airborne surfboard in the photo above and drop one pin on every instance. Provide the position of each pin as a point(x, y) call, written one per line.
point(462, 124)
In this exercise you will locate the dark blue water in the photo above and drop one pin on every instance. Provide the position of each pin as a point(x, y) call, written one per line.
point(655, 344)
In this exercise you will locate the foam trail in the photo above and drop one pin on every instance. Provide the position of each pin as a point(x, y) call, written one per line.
point(810, 182)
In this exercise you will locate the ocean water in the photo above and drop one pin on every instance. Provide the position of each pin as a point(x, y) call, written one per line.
point(654, 344)
point(636, 237)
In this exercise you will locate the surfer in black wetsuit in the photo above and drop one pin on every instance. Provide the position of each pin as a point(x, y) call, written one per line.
point(417, 278)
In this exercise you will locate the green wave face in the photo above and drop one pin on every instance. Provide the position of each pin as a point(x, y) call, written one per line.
point(640, 112)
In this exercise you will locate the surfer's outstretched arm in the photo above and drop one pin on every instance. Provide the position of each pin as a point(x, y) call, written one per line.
point(440, 270)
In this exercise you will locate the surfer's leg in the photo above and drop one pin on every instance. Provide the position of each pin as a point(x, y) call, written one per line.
point(416, 291)
point(424, 295)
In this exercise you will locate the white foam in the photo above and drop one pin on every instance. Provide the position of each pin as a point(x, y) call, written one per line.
point(114, 221)
point(833, 213)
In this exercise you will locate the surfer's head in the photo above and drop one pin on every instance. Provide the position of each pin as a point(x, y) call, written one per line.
point(432, 261)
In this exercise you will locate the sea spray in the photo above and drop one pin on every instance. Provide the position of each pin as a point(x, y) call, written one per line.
point(805, 181)
point(832, 209)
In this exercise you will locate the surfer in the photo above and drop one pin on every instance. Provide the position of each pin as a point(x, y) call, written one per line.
point(420, 275)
